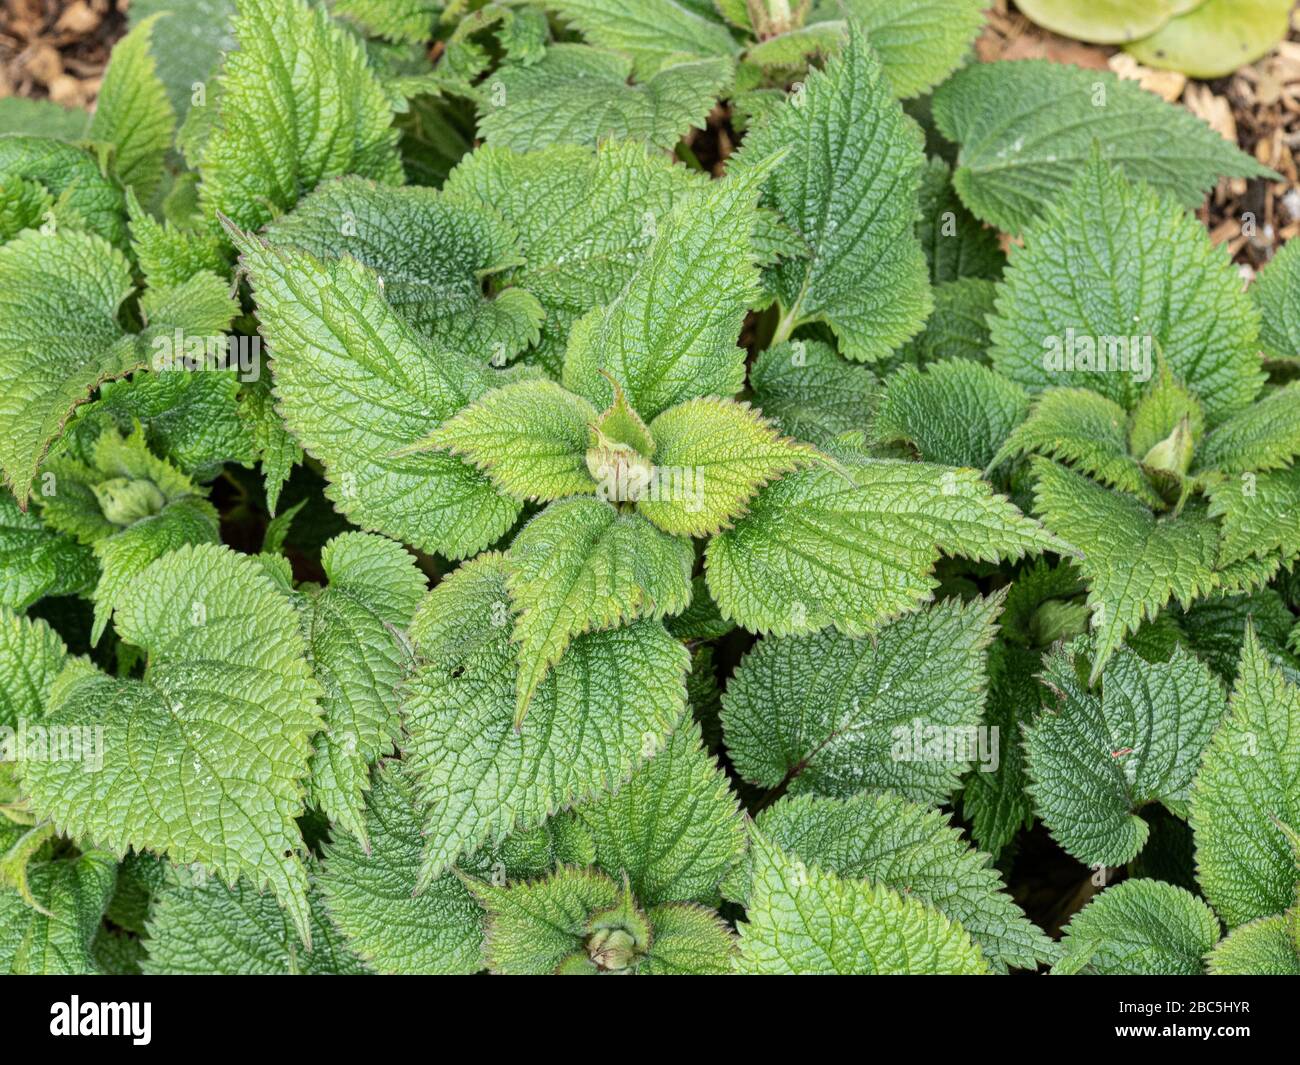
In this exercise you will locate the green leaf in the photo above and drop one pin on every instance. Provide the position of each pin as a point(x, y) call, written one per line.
point(956, 244)
point(1095, 760)
point(582, 566)
point(674, 829)
point(36, 561)
point(803, 921)
point(920, 43)
point(1104, 22)
point(298, 105)
point(1085, 429)
point(821, 548)
point(371, 893)
point(1264, 436)
point(278, 451)
point(605, 707)
point(42, 118)
point(1133, 562)
point(530, 437)
point(1215, 38)
point(1258, 512)
point(832, 715)
point(88, 199)
point(74, 891)
point(355, 383)
point(958, 328)
point(1245, 805)
point(1265, 947)
point(957, 412)
point(1215, 628)
point(432, 256)
point(585, 221)
point(1139, 928)
point(169, 255)
point(31, 656)
point(651, 33)
point(397, 20)
point(359, 662)
point(1108, 277)
point(582, 95)
point(225, 726)
point(848, 187)
point(727, 451)
point(207, 928)
point(809, 392)
point(1279, 330)
point(133, 114)
point(1026, 128)
point(914, 850)
point(671, 334)
point(187, 43)
point(59, 338)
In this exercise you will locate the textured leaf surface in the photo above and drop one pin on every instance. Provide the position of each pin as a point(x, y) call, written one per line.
point(848, 188)
point(1266, 947)
point(207, 928)
point(582, 95)
point(956, 244)
point(355, 383)
point(673, 829)
point(920, 43)
point(832, 715)
point(810, 392)
point(671, 333)
point(817, 548)
point(729, 450)
point(1093, 761)
point(801, 920)
point(583, 566)
point(1109, 266)
point(36, 561)
point(1247, 795)
point(71, 176)
point(651, 32)
point(1026, 127)
point(957, 413)
point(913, 850)
point(1264, 436)
point(1274, 294)
point(1140, 928)
point(1260, 515)
point(223, 726)
point(371, 893)
point(604, 707)
point(31, 656)
point(74, 892)
point(298, 105)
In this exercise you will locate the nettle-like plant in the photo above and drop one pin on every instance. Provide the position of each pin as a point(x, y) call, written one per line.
point(668, 535)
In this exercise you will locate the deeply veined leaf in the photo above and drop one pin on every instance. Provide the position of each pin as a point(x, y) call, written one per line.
point(396, 20)
point(1087, 430)
point(133, 114)
point(1111, 274)
point(809, 392)
point(848, 187)
point(582, 566)
point(371, 895)
point(955, 412)
point(31, 657)
point(671, 334)
point(1279, 329)
point(224, 726)
point(581, 95)
point(355, 384)
point(90, 200)
point(585, 221)
point(802, 920)
point(530, 437)
point(432, 257)
point(920, 43)
point(36, 561)
point(359, 662)
point(1094, 760)
point(1140, 928)
point(1264, 947)
point(673, 829)
point(604, 707)
point(1134, 562)
point(1260, 514)
point(73, 892)
point(819, 547)
point(725, 452)
point(207, 928)
point(650, 33)
point(1026, 127)
point(298, 104)
point(956, 245)
point(1246, 802)
point(830, 715)
point(912, 849)
point(1264, 436)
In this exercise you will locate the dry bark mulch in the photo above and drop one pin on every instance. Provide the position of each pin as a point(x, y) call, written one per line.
point(57, 49)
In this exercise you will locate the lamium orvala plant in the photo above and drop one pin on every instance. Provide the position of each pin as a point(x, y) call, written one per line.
point(660, 487)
